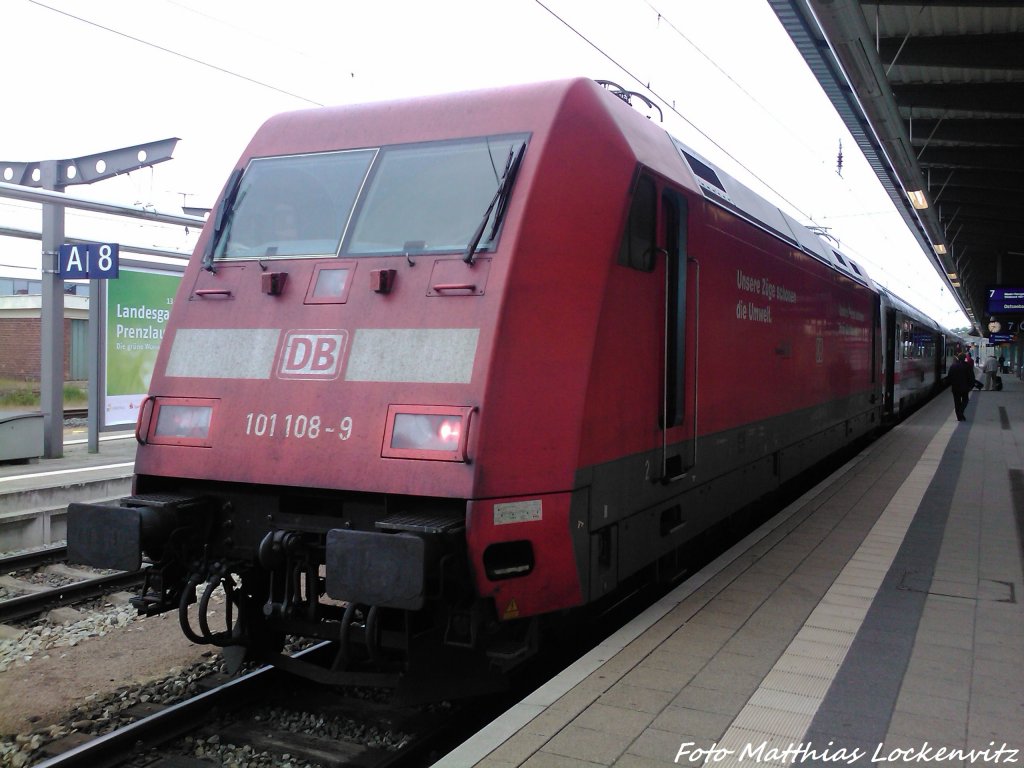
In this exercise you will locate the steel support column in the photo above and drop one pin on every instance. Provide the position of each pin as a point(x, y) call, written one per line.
point(51, 352)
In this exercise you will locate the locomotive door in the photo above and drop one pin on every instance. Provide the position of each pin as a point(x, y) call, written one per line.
point(677, 421)
point(655, 243)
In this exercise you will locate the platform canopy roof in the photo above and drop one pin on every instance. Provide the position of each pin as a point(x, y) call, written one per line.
point(933, 92)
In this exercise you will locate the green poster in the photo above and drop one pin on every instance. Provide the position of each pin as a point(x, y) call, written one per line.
point(138, 305)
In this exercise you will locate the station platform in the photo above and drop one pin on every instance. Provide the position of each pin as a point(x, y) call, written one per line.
point(876, 620)
point(34, 495)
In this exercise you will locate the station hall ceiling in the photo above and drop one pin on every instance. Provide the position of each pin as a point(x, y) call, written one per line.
point(933, 93)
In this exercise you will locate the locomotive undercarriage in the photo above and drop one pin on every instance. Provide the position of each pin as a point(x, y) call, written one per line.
point(385, 579)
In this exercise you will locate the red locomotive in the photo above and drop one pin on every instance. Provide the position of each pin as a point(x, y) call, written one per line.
point(444, 366)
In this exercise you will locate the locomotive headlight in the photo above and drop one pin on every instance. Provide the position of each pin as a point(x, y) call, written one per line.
point(179, 421)
point(427, 432)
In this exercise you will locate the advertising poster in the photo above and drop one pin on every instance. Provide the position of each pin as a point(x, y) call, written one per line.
point(138, 305)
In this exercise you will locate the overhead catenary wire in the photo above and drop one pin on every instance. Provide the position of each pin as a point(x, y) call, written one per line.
point(620, 65)
point(884, 277)
point(670, 104)
point(169, 51)
point(179, 54)
point(772, 114)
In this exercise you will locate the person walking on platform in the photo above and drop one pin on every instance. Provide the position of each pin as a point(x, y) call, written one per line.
point(961, 382)
point(991, 369)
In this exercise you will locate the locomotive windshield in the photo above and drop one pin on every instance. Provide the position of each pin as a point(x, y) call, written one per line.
point(419, 198)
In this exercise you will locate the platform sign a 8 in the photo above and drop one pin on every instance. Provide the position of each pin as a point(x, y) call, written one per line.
point(89, 261)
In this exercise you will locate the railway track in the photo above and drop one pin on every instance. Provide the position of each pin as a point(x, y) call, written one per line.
point(262, 717)
point(24, 593)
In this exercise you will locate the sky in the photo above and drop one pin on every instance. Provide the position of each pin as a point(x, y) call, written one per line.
point(81, 78)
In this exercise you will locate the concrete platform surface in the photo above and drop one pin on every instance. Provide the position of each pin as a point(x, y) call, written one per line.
point(875, 621)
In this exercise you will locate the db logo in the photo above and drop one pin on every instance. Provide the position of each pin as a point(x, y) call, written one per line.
point(312, 354)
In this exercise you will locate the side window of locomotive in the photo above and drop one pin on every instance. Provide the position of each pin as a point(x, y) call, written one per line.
point(435, 197)
point(637, 247)
point(292, 206)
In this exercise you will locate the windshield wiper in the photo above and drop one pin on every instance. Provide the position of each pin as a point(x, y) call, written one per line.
point(227, 202)
point(500, 199)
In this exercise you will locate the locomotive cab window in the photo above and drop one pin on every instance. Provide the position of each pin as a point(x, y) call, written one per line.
point(638, 241)
point(434, 197)
point(437, 197)
point(291, 206)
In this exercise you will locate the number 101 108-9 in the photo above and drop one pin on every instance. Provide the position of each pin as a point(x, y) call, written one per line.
point(297, 425)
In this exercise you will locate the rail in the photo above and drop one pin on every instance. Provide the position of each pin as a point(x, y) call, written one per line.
point(36, 601)
point(176, 720)
point(241, 712)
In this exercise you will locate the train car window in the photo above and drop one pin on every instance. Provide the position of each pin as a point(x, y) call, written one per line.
point(637, 247)
point(293, 206)
point(431, 197)
point(917, 341)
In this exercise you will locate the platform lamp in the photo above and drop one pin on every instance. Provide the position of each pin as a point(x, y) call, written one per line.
point(56, 176)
